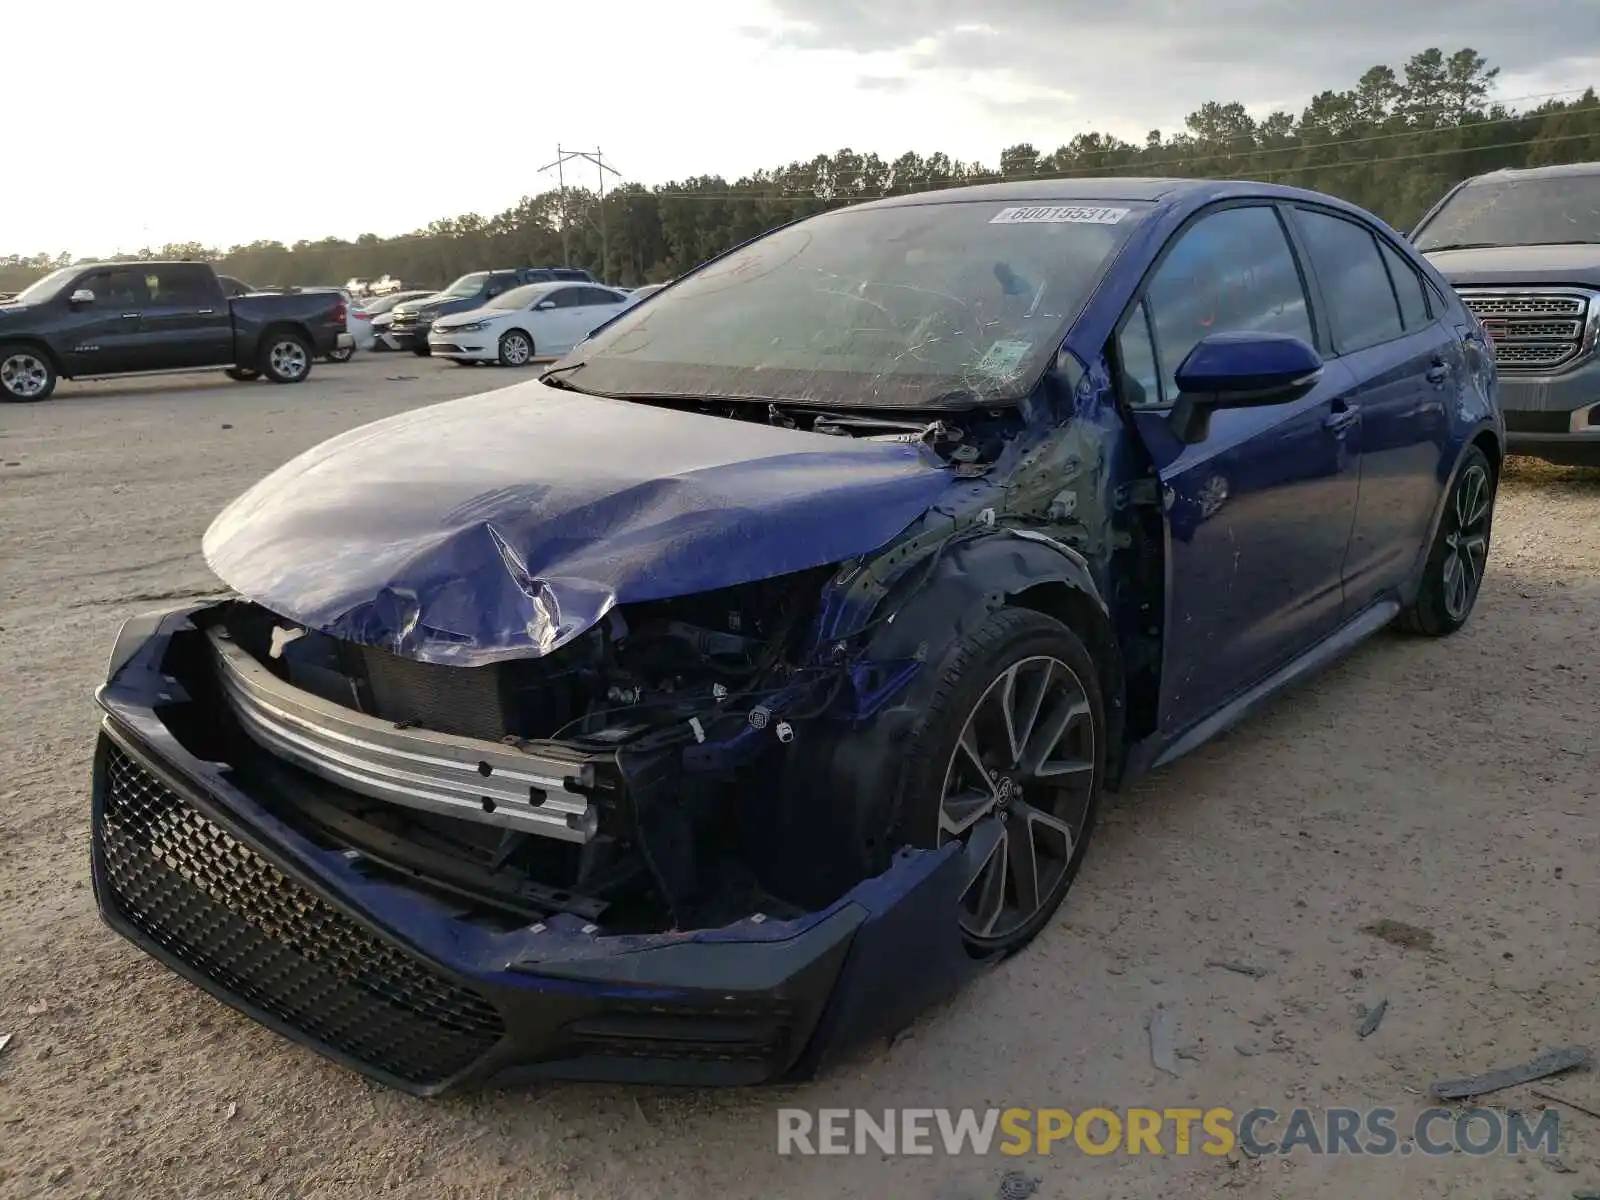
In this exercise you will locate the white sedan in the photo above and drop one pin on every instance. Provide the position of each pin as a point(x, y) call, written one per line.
point(537, 320)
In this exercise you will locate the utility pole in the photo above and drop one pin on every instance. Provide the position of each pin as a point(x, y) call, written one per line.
point(601, 167)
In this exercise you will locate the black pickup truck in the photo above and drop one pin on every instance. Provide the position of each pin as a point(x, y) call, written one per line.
point(127, 318)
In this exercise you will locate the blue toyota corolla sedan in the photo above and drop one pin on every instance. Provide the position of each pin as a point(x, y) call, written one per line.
point(746, 682)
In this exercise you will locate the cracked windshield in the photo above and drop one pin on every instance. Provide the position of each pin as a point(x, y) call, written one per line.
point(916, 305)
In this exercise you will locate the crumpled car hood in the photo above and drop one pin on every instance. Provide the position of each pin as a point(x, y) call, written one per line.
point(506, 524)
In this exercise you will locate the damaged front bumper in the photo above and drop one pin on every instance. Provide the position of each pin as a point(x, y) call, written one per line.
point(402, 985)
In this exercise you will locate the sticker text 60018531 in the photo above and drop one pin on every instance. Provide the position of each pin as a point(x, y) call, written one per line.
point(1058, 214)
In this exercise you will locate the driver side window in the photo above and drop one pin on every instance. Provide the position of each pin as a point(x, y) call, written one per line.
point(1232, 270)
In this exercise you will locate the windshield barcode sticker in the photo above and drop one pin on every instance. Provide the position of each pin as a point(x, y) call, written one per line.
point(1058, 214)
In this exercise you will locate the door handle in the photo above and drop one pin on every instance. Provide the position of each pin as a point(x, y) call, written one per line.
point(1437, 373)
point(131, 316)
point(1339, 421)
point(206, 312)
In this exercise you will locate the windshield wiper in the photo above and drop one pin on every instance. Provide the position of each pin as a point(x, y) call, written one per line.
point(1462, 246)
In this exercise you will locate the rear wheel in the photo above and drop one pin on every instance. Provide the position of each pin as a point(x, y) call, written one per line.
point(1009, 760)
point(286, 358)
point(26, 374)
point(516, 348)
point(1454, 570)
point(242, 374)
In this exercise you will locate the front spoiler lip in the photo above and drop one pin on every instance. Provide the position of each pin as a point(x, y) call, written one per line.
point(862, 968)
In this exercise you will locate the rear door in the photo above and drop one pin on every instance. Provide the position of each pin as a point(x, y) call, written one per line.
point(187, 322)
point(1406, 364)
point(1259, 512)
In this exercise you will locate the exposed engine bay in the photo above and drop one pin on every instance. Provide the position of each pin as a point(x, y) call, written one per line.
point(664, 714)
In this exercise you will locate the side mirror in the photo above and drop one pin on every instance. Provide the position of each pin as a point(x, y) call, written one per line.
point(81, 297)
point(544, 304)
point(1240, 370)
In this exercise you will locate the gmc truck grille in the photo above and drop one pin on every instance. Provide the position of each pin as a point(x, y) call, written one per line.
point(1536, 329)
point(203, 897)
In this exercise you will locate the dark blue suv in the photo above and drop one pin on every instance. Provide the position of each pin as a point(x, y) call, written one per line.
point(751, 679)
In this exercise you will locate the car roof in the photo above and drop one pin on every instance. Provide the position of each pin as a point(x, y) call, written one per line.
point(1158, 192)
point(1564, 170)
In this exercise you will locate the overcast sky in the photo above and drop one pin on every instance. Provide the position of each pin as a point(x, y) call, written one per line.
point(172, 120)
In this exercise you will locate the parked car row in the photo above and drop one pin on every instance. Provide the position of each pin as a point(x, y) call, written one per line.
point(386, 285)
point(408, 329)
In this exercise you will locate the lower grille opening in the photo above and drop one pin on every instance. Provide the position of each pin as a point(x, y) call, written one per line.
point(216, 905)
point(722, 1034)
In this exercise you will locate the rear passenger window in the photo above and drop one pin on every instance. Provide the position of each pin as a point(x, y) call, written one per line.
point(1407, 286)
point(1355, 284)
point(1231, 270)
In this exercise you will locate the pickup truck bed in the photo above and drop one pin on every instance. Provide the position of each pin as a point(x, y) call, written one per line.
point(108, 319)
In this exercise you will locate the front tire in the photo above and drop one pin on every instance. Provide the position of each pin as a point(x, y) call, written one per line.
point(26, 374)
point(286, 358)
point(343, 355)
point(421, 350)
point(1453, 573)
point(1009, 759)
point(516, 348)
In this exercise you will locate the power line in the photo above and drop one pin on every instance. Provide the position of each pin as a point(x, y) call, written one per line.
point(601, 166)
point(1141, 166)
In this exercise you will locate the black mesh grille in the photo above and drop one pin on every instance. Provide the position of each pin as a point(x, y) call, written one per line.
point(215, 904)
point(467, 701)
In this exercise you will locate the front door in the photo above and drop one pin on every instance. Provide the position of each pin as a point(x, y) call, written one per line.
point(561, 326)
point(1259, 512)
point(104, 335)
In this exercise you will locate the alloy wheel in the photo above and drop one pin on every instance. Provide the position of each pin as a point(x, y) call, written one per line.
point(289, 359)
point(24, 376)
point(1017, 792)
point(515, 349)
point(1466, 541)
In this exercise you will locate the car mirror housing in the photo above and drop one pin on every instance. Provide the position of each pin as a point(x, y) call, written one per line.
point(80, 297)
point(1240, 369)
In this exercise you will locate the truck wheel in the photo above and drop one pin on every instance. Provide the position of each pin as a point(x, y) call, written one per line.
point(242, 374)
point(516, 348)
point(25, 374)
point(286, 358)
point(421, 350)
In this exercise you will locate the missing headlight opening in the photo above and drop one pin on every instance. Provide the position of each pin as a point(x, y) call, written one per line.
point(623, 819)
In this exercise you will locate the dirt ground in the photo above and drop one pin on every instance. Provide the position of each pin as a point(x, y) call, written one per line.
point(1450, 785)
